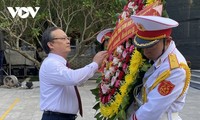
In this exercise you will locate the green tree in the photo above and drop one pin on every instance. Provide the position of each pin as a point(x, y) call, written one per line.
point(86, 17)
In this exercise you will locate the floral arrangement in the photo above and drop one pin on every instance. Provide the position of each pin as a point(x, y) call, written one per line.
point(122, 71)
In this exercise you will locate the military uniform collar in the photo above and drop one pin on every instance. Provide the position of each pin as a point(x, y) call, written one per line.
point(160, 60)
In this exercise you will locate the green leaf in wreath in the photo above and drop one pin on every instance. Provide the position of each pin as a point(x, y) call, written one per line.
point(95, 91)
point(125, 102)
point(122, 115)
point(113, 118)
point(96, 106)
point(98, 79)
point(98, 116)
point(145, 67)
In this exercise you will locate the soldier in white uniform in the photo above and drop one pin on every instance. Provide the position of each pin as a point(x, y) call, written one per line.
point(165, 84)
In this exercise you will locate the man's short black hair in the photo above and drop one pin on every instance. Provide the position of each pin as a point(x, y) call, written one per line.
point(46, 37)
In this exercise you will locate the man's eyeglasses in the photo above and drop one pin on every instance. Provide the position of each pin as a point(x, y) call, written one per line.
point(62, 38)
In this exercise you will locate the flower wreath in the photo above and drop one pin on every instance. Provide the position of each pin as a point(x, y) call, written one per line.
point(120, 75)
point(122, 71)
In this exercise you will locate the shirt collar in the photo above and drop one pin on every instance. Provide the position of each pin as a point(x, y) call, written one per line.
point(160, 60)
point(57, 57)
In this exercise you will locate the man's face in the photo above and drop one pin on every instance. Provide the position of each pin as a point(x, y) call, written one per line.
point(154, 52)
point(60, 43)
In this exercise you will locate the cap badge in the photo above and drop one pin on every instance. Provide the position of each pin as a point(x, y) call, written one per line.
point(140, 27)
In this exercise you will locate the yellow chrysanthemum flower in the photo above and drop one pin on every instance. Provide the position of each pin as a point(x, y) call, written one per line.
point(150, 2)
point(112, 108)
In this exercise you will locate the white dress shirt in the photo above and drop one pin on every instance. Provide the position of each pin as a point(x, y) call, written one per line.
point(157, 104)
point(57, 83)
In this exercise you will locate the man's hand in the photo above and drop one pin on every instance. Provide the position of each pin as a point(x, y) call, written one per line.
point(99, 57)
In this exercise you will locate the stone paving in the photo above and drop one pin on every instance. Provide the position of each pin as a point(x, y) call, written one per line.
point(23, 104)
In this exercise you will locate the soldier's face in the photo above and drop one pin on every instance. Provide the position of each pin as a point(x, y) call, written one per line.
point(154, 52)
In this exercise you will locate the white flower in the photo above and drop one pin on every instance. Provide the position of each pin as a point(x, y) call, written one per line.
point(117, 73)
point(105, 88)
point(119, 64)
point(114, 77)
point(112, 69)
point(128, 44)
point(134, 9)
point(113, 80)
point(130, 5)
point(124, 54)
point(123, 15)
point(119, 49)
point(107, 74)
point(115, 61)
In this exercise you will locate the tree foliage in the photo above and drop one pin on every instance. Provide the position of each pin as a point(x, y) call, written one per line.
point(85, 18)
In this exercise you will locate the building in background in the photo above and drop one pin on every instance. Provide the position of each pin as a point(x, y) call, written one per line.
point(187, 34)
